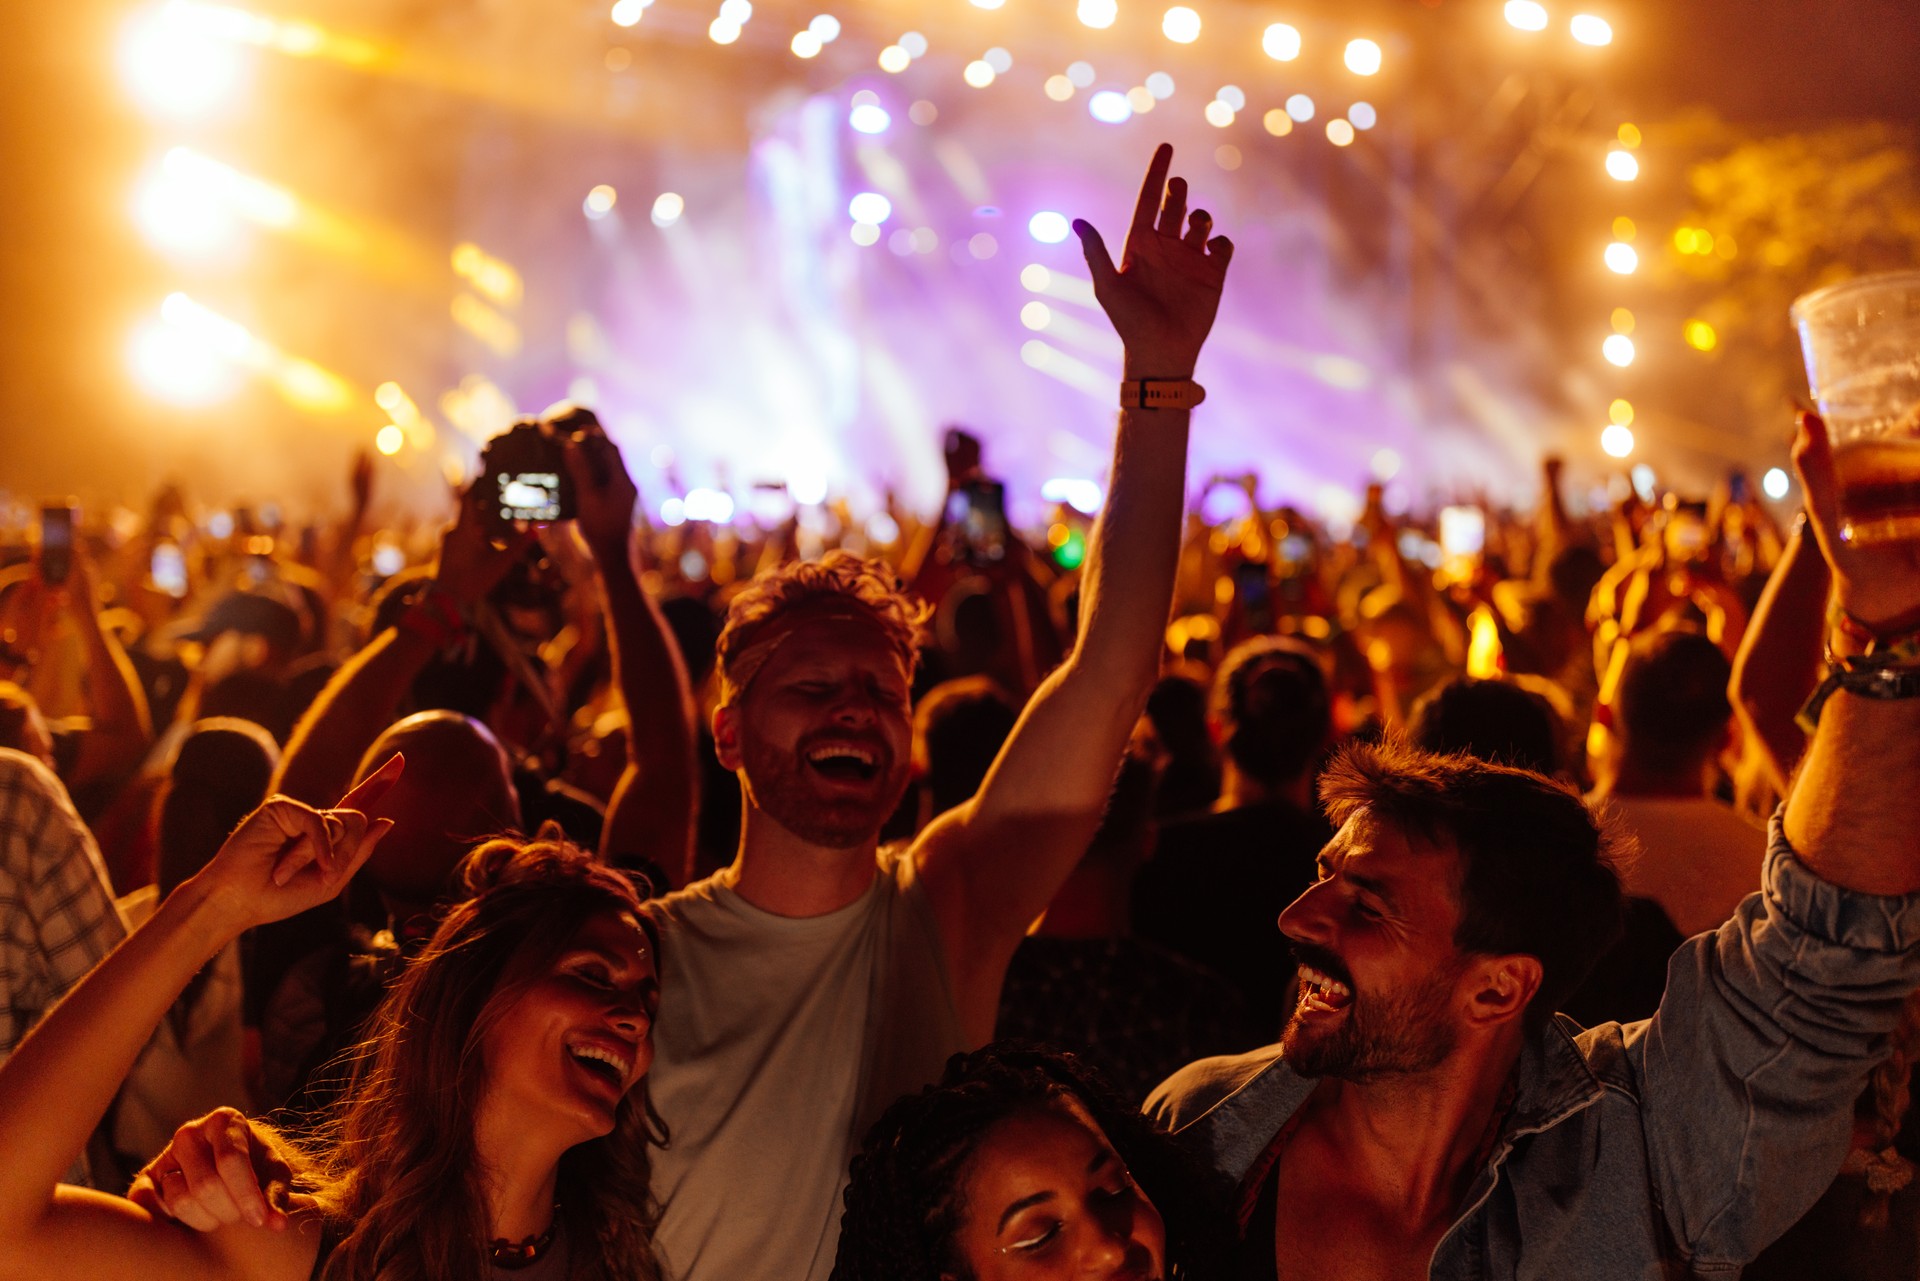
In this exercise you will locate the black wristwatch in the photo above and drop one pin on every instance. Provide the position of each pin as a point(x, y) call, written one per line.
point(1864, 677)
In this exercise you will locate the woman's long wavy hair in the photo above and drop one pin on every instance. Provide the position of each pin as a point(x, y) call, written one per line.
point(903, 1202)
point(395, 1170)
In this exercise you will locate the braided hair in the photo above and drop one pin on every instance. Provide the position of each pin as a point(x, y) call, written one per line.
point(1884, 1107)
point(903, 1201)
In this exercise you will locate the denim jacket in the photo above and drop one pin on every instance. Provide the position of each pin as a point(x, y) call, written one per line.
point(1677, 1146)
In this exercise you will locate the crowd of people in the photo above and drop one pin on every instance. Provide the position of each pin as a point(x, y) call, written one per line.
point(1497, 893)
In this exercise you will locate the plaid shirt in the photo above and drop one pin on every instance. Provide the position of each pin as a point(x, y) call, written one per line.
point(57, 914)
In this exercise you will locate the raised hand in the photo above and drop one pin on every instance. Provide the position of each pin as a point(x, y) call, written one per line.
point(1878, 583)
point(470, 565)
point(1166, 291)
point(603, 491)
point(286, 857)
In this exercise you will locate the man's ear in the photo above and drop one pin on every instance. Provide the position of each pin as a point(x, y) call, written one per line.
point(1502, 987)
point(726, 736)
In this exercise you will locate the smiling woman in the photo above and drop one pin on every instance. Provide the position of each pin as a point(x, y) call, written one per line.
point(1021, 1163)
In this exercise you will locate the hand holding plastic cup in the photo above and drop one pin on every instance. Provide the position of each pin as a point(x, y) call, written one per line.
point(1861, 339)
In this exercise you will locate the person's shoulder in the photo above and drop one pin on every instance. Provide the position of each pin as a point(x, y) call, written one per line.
point(1199, 1087)
point(690, 900)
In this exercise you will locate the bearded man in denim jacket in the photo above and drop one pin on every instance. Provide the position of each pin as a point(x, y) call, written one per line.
point(1426, 1115)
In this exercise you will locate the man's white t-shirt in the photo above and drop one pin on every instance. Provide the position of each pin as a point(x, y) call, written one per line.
point(780, 1040)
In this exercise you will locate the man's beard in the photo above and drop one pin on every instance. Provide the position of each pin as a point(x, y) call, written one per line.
point(1398, 1033)
point(780, 784)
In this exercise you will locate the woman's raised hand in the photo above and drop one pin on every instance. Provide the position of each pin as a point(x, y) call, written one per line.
point(286, 857)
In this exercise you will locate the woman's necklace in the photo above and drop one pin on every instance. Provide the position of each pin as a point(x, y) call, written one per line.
point(511, 1256)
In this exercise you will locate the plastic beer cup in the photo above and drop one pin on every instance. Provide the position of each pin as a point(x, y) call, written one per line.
point(1861, 339)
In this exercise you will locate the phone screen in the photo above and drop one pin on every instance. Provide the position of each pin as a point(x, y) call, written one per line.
point(169, 569)
point(977, 513)
point(1463, 531)
point(56, 543)
point(529, 495)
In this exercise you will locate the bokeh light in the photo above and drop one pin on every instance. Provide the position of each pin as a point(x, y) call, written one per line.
point(599, 202)
point(1526, 15)
point(1181, 25)
point(1219, 114)
point(1035, 278)
point(720, 31)
point(1591, 29)
point(826, 26)
point(1339, 132)
point(1081, 74)
point(1363, 115)
point(894, 59)
point(1629, 135)
point(1620, 412)
point(1621, 165)
point(806, 45)
point(1621, 259)
point(914, 43)
point(978, 73)
point(870, 207)
point(1049, 228)
point(1618, 349)
point(1098, 14)
point(1622, 321)
point(174, 62)
point(870, 118)
point(1140, 100)
point(1775, 484)
point(389, 440)
point(1300, 107)
point(1623, 228)
point(1058, 88)
point(1700, 335)
point(982, 245)
point(667, 208)
point(1036, 315)
point(864, 234)
point(1617, 440)
point(1160, 85)
point(626, 13)
point(1281, 42)
point(1110, 107)
point(999, 59)
point(1363, 57)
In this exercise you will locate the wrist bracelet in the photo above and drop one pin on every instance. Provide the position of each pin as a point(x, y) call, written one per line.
point(1884, 677)
point(1161, 393)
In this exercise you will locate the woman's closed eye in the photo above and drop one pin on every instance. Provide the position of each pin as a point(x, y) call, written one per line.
point(1037, 1237)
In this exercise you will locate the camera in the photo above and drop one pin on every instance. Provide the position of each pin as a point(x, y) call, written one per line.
point(56, 543)
point(523, 477)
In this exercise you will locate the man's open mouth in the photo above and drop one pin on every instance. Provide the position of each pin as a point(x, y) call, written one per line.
point(1321, 993)
point(844, 762)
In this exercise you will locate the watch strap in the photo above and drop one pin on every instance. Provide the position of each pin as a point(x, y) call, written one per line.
point(1161, 393)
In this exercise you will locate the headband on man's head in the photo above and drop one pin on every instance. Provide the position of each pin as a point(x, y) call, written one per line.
point(738, 670)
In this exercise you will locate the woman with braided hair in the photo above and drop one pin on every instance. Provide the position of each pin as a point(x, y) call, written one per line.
point(1020, 1163)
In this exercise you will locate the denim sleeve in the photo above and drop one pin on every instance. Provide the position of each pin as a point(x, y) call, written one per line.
point(1751, 1067)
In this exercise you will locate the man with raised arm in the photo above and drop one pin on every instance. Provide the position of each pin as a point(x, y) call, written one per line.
point(1426, 1114)
point(819, 976)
